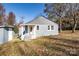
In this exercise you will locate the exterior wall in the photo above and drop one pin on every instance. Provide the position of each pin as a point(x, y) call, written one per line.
point(10, 34)
point(5, 35)
point(1, 35)
point(21, 30)
point(33, 33)
point(43, 30)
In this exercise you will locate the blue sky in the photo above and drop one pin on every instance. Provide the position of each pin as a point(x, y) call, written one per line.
point(27, 10)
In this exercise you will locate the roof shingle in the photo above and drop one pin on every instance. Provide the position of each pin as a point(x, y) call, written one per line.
point(41, 20)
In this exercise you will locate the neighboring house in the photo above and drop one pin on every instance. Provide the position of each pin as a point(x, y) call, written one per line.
point(40, 26)
point(6, 34)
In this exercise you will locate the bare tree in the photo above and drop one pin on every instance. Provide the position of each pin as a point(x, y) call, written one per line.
point(56, 10)
point(2, 14)
point(66, 10)
point(73, 14)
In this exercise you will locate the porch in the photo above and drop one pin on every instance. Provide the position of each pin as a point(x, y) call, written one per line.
point(29, 32)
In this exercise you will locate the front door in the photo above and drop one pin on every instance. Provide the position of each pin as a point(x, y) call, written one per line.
point(31, 32)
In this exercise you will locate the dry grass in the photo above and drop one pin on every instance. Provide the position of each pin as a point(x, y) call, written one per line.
point(69, 34)
point(66, 43)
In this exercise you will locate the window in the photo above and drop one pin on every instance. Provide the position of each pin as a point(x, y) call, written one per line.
point(51, 27)
point(48, 27)
point(37, 27)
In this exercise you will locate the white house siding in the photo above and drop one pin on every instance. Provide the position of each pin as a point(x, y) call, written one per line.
point(33, 34)
point(1, 35)
point(21, 30)
point(43, 30)
point(10, 34)
point(5, 34)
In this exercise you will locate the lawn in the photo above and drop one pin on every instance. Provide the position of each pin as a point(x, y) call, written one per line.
point(64, 44)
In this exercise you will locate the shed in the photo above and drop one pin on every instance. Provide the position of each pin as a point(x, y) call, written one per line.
point(6, 34)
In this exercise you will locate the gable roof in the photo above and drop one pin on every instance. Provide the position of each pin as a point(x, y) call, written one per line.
point(41, 20)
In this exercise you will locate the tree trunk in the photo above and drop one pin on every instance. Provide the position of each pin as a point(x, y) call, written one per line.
point(60, 26)
point(74, 26)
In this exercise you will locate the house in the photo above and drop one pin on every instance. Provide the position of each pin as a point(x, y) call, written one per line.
point(6, 34)
point(40, 26)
